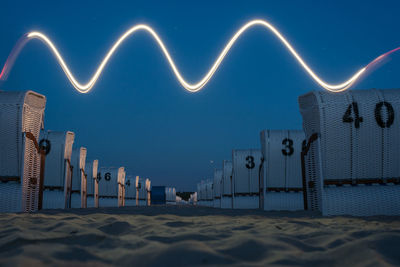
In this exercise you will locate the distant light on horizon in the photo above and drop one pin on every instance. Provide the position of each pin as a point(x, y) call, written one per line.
point(191, 87)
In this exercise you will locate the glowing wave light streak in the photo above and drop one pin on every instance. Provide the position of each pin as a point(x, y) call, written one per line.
point(191, 87)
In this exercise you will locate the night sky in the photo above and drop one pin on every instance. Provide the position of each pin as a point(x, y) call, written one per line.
point(138, 116)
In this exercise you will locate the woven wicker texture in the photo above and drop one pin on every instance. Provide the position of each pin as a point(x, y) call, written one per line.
point(281, 169)
point(245, 169)
point(79, 180)
point(108, 183)
point(217, 183)
point(217, 192)
point(108, 202)
point(142, 191)
point(227, 177)
point(130, 189)
point(57, 173)
point(358, 140)
point(226, 199)
point(91, 170)
point(245, 177)
point(20, 112)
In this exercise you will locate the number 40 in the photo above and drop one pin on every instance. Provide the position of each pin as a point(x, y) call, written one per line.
point(357, 119)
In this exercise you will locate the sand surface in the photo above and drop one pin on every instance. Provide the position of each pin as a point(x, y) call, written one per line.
point(192, 236)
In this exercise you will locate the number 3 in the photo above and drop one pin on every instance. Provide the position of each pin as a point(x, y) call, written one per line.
point(289, 150)
point(250, 162)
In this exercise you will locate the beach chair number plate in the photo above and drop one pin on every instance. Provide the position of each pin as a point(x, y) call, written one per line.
point(347, 117)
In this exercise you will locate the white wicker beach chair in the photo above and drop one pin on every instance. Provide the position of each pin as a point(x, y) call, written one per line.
point(227, 185)
point(281, 179)
point(193, 198)
point(111, 182)
point(21, 118)
point(217, 188)
point(209, 193)
point(79, 178)
point(245, 177)
point(91, 170)
point(351, 159)
point(58, 171)
point(130, 191)
point(203, 193)
point(199, 194)
point(173, 196)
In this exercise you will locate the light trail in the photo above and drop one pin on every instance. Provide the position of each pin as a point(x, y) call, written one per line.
point(191, 87)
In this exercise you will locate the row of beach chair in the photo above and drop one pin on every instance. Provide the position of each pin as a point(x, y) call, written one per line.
point(44, 170)
point(345, 160)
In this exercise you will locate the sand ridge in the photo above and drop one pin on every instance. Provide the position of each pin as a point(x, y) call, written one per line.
point(183, 236)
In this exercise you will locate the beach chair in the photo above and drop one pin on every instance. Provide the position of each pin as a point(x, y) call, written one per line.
point(110, 192)
point(351, 158)
point(130, 191)
point(245, 177)
point(141, 191)
point(217, 188)
point(148, 192)
point(280, 176)
point(79, 178)
point(209, 193)
point(199, 194)
point(21, 118)
point(193, 198)
point(171, 196)
point(203, 193)
point(58, 171)
point(227, 196)
point(91, 170)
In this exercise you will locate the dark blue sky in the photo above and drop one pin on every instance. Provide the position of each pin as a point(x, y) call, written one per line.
point(138, 115)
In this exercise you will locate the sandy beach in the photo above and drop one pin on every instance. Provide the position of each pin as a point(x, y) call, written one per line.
point(192, 236)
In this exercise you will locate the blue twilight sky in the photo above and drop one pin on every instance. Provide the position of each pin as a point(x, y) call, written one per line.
point(139, 117)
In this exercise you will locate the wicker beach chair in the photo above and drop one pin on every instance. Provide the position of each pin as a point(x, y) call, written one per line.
point(280, 175)
point(79, 178)
point(217, 188)
point(227, 185)
point(111, 182)
point(58, 169)
point(209, 195)
point(91, 170)
point(199, 194)
point(245, 177)
point(141, 191)
point(130, 191)
point(351, 158)
point(21, 118)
